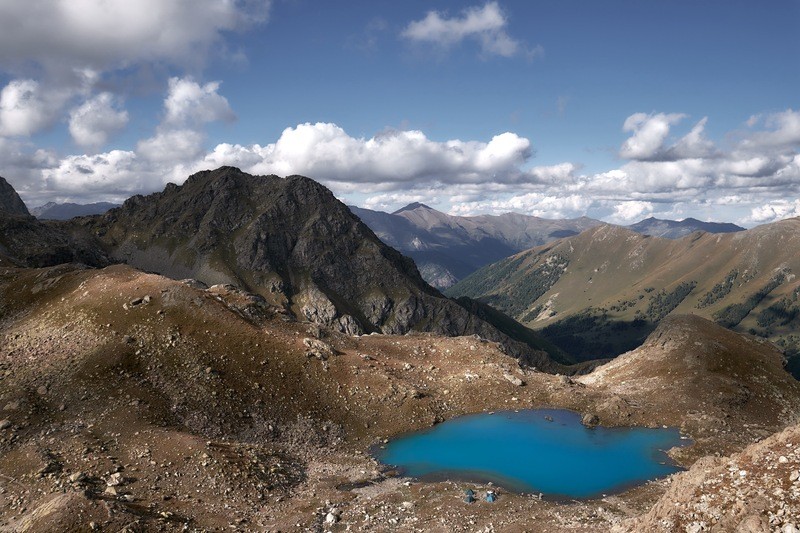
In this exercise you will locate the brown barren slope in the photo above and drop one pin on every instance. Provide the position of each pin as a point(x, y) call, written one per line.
point(219, 411)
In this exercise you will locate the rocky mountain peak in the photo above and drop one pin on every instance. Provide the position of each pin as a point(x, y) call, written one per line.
point(10, 202)
point(412, 206)
point(290, 241)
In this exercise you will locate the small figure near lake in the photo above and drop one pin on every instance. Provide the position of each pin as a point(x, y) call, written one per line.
point(469, 496)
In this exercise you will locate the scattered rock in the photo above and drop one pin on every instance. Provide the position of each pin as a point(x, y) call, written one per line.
point(590, 420)
point(114, 479)
point(195, 284)
point(514, 380)
point(5, 424)
point(317, 348)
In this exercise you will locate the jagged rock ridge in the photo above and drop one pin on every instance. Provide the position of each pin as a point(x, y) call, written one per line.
point(291, 241)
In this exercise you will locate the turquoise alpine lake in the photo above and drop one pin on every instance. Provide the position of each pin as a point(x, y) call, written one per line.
point(544, 451)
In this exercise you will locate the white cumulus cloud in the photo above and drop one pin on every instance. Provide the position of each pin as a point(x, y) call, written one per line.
point(26, 107)
point(633, 210)
point(649, 134)
point(783, 131)
point(60, 51)
point(755, 178)
point(776, 210)
point(172, 146)
point(533, 203)
point(93, 122)
point(326, 152)
point(188, 106)
point(115, 174)
point(487, 25)
point(189, 103)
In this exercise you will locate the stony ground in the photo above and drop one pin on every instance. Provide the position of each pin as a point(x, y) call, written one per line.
point(134, 402)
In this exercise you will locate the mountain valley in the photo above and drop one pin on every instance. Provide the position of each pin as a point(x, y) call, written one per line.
point(202, 375)
point(448, 248)
point(601, 293)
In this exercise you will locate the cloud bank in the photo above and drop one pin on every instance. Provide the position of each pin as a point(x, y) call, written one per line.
point(662, 174)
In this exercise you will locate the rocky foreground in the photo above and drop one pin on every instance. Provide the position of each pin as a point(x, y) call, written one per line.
point(130, 400)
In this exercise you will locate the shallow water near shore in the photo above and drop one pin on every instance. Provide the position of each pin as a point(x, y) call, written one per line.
point(544, 451)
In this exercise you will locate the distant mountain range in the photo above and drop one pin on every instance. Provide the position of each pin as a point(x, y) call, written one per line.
point(447, 248)
point(672, 229)
point(65, 211)
point(602, 292)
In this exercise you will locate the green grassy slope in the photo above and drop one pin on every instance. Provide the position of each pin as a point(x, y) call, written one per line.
point(600, 293)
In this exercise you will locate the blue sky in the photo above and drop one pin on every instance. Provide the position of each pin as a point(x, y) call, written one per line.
point(615, 109)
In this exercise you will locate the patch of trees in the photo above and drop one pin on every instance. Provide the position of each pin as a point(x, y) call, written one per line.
point(591, 334)
point(624, 305)
point(662, 303)
point(532, 314)
point(534, 284)
point(778, 314)
point(733, 314)
point(518, 296)
point(718, 291)
point(790, 345)
point(487, 279)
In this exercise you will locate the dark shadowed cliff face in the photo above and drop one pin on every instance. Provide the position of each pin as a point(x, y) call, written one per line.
point(10, 202)
point(29, 242)
point(294, 243)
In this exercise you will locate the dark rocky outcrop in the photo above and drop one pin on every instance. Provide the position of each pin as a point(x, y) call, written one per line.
point(29, 242)
point(26, 241)
point(291, 241)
